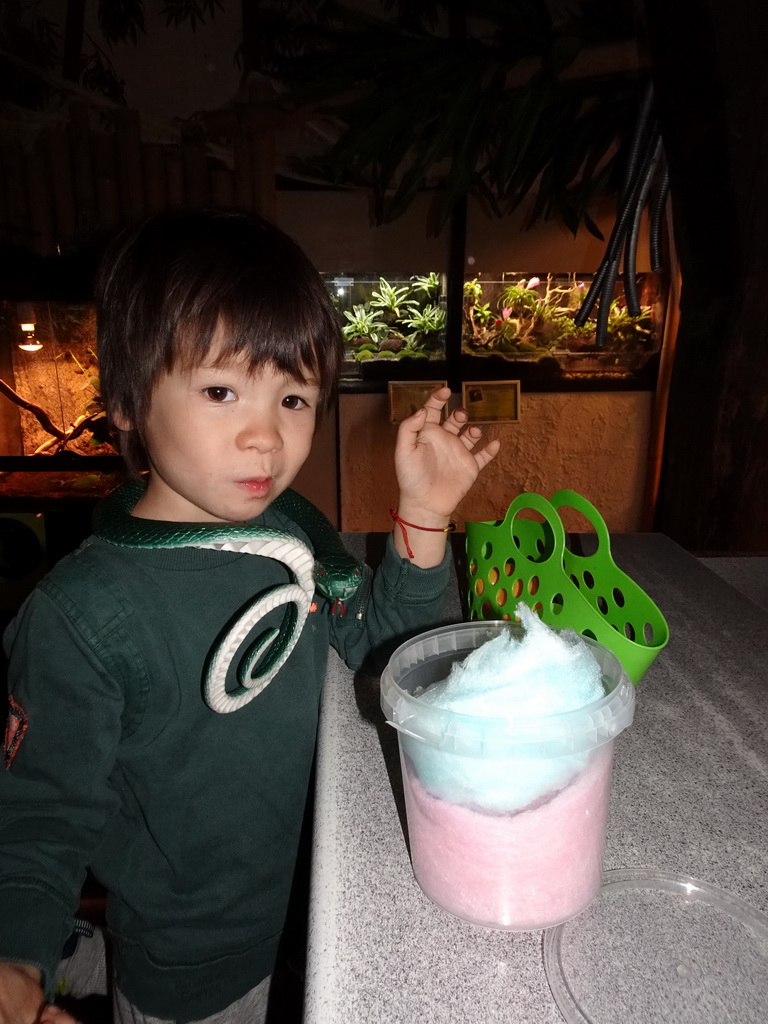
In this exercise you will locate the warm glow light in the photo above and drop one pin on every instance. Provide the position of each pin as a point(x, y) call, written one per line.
point(25, 312)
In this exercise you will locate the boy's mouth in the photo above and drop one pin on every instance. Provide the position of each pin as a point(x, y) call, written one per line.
point(258, 486)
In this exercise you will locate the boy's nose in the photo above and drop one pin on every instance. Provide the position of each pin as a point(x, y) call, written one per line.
point(261, 434)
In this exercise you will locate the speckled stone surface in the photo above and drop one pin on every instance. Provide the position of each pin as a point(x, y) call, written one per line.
point(689, 795)
point(749, 575)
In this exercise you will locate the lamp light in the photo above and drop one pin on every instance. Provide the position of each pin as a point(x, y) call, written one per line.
point(25, 314)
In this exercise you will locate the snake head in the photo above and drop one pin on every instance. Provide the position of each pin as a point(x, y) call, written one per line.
point(338, 576)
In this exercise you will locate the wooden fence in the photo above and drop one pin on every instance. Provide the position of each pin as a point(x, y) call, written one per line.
point(65, 181)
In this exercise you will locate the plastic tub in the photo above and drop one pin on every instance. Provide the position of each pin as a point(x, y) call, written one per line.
point(506, 817)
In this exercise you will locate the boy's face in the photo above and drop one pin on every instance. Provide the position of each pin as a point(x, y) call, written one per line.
point(223, 442)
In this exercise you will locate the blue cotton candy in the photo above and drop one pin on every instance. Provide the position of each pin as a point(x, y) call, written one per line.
point(544, 672)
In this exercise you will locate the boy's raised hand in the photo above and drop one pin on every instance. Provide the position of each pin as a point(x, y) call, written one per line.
point(436, 465)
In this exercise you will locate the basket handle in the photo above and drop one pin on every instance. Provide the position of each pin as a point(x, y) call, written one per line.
point(571, 499)
point(545, 508)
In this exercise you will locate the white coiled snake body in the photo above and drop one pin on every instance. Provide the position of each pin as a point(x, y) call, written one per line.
point(332, 571)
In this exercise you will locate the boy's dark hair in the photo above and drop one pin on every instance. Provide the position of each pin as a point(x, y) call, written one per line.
point(165, 286)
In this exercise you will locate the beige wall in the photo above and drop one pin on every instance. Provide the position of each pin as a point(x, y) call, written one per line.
point(594, 443)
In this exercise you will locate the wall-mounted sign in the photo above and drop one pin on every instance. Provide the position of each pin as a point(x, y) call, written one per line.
point(407, 396)
point(491, 401)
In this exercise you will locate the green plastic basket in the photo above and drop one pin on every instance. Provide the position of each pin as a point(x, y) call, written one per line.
point(525, 560)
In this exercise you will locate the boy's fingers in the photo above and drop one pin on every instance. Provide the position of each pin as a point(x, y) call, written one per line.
point(412, 425)
point(435, 403)
point(471, 436)
point(487, 454)
point(456, 421)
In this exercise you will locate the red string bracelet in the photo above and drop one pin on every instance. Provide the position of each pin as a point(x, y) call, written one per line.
point(429, 529)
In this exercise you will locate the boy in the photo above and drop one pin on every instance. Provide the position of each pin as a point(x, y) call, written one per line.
point(162, 721)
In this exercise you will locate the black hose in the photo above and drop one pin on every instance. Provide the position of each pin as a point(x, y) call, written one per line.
point(633, 198)
point(658, 203)
point(612, 252)
point(592, 295)
point(637, 139)
point(600, 283)
point(630, 247)
point(601, 327)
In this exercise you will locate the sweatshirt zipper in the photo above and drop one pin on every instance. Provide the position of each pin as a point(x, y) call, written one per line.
point(363, 593)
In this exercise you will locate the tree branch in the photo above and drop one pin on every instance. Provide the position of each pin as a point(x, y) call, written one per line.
point(40, 415)
point(81, 423)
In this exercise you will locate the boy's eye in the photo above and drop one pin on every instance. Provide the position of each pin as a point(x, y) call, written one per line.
point(294, 402)
point(219, 394)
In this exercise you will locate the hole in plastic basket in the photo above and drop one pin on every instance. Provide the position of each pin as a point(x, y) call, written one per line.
point(487, 549)
point(516, 539)
point(589, 579)
point(538, 608)
point(472, 615)
point(517, 588)
point(473, 567)
point(539, 545)
point(575, 521)
point(589, 633)
point(501, 597)
point(493, 576)
point(629, 631)
point(589, 543)
point(575, 580)
point(602, 604)
point(506, 616)
point(618, 597)
point(533, 585)
point(479, 587)
point(509, 567)
point(556, 604)
point(648, 633)
point(486, 610)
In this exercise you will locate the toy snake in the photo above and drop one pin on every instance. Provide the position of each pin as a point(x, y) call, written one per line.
point(333, 571)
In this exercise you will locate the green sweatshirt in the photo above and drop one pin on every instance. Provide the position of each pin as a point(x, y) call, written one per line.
point(189, 818)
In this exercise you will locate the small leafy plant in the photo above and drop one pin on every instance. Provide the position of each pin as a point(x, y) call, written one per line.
point(397, 320)
point(429, 320)
point(362, 325)
point(534, 318)
point(429, 285)
point(393, 301)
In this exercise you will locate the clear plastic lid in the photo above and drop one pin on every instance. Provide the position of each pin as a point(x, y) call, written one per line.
point(428, 658)
point(655, 946)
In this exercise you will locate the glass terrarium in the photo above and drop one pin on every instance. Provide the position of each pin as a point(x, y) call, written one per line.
point(53, 431)
point(389, 319)
point(532, 318)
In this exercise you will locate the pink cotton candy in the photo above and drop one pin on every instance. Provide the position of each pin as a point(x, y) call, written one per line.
point(524, 870)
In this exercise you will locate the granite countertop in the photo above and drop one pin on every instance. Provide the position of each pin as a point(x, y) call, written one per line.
point(747, 574)
point(689, 795)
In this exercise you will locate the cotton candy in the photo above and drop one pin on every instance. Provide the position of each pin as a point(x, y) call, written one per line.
point(544, 672)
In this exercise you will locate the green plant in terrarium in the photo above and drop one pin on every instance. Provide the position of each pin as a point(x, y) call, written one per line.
point(563, 329)
point(479, 318)
point(363, 325)
point(627, 332)
point(522, 300)
point(392, 301)
point(426, 322)
point(429, 285)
